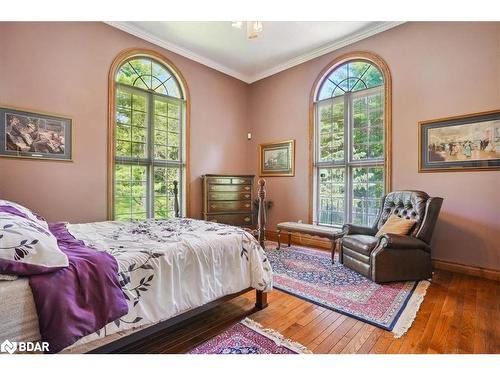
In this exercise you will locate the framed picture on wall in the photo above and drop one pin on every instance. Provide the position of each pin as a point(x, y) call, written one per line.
point(277, 158)
point(27, 134)
point(460, 143)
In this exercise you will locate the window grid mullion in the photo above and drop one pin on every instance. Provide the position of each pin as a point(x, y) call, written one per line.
point(316, 157)
point(348, 151)
point(181, 156)
point(150, 147)
point(316, 197)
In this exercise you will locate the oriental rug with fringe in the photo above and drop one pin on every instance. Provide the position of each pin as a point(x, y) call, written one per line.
point(249, 337)
point(309, 274)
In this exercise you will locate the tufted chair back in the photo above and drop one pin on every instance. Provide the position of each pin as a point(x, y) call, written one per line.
point(411, 204)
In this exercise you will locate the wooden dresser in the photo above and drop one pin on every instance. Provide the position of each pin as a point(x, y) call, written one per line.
point(228, 199)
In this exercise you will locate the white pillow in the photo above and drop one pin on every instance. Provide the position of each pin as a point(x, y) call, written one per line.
point(27, 212)
point(27, 248)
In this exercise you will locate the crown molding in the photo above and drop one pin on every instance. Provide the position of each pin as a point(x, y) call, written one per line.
point(133, 30)
point(353, 38)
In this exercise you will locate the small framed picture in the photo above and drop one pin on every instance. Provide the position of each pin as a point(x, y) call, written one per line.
point(277, 158)
point(460, 143)
point(27, 134)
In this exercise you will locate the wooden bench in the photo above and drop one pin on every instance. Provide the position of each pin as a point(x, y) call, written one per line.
point(333, 234)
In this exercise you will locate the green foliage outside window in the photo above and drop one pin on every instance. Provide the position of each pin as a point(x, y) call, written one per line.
point(147, 74)
point(352, 93)
point(350, 77)
point(148, 141)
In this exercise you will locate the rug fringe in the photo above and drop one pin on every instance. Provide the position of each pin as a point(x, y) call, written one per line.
point(409, 314)
point(277, 337)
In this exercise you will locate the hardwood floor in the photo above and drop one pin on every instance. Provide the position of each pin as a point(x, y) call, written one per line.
point(460, 314)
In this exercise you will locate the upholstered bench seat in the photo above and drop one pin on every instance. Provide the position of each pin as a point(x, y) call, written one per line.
point(333, 234)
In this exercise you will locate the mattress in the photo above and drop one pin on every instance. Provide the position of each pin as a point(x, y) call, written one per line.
point(20, 320)
point(17, 311)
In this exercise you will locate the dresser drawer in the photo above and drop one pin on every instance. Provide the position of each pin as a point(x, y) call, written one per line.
point(236, 219)
point(219, 180)
point(241, 181)
point(229, 196)
point(228, 199)
point(232, 188)
point(229, 206)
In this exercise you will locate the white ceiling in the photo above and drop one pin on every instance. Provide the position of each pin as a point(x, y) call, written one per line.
point(280, 46)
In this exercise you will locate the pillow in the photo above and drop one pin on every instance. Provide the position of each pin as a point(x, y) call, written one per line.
point(27, 248)
point(396, 225)
point(11, 207)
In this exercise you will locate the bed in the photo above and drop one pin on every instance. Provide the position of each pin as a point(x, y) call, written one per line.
point(167, 271)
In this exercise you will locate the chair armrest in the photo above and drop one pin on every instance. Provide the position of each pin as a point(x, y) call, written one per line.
point(356, 229)
point(398, 241)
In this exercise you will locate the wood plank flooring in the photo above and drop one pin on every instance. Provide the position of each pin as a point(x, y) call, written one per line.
point(460, 314)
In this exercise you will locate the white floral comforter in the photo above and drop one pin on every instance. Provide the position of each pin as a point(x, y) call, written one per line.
point(169, 267)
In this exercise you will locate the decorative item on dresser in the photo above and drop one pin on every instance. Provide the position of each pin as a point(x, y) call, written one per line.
point(228, 199)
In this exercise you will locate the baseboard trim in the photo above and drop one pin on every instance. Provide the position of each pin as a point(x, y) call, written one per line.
point(486, 273)
point(322, 243)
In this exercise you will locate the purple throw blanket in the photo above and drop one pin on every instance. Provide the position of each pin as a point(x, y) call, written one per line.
point(80, 299)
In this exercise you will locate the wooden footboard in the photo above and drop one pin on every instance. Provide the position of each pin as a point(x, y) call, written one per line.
point(260, 303)
point(262, 217)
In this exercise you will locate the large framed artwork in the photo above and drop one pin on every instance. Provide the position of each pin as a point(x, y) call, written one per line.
point(27, 134)
point(277, 158)
point(460, 143)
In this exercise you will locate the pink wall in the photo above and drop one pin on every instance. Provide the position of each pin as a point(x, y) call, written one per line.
point(63, 68)
point(438, 70)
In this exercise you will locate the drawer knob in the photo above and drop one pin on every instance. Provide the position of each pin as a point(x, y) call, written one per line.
point(247, 188)
point(247, 205)
point(247, 195)
point(247, 219)
point(213, 206)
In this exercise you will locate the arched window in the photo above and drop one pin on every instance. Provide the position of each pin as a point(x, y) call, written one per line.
point(149, 137)
point(352, 141)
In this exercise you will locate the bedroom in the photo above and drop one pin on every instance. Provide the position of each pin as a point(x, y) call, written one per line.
point(160, 119)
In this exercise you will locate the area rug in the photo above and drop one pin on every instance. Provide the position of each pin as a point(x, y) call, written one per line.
point(310, 275)
point(249, 337)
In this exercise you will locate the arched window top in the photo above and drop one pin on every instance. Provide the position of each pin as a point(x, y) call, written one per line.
point(354, 75)
point(148, 74)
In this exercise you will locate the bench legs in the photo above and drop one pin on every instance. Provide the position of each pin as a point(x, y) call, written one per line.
point(279, 239)
point(334, 246)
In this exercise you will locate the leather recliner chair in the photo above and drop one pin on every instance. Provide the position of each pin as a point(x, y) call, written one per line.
point(394, 257)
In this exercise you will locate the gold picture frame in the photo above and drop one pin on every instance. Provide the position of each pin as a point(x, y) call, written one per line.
point(277, 159)
point(462, 143)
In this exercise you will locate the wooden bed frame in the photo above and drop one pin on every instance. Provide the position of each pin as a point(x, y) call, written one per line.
point(260, 302)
